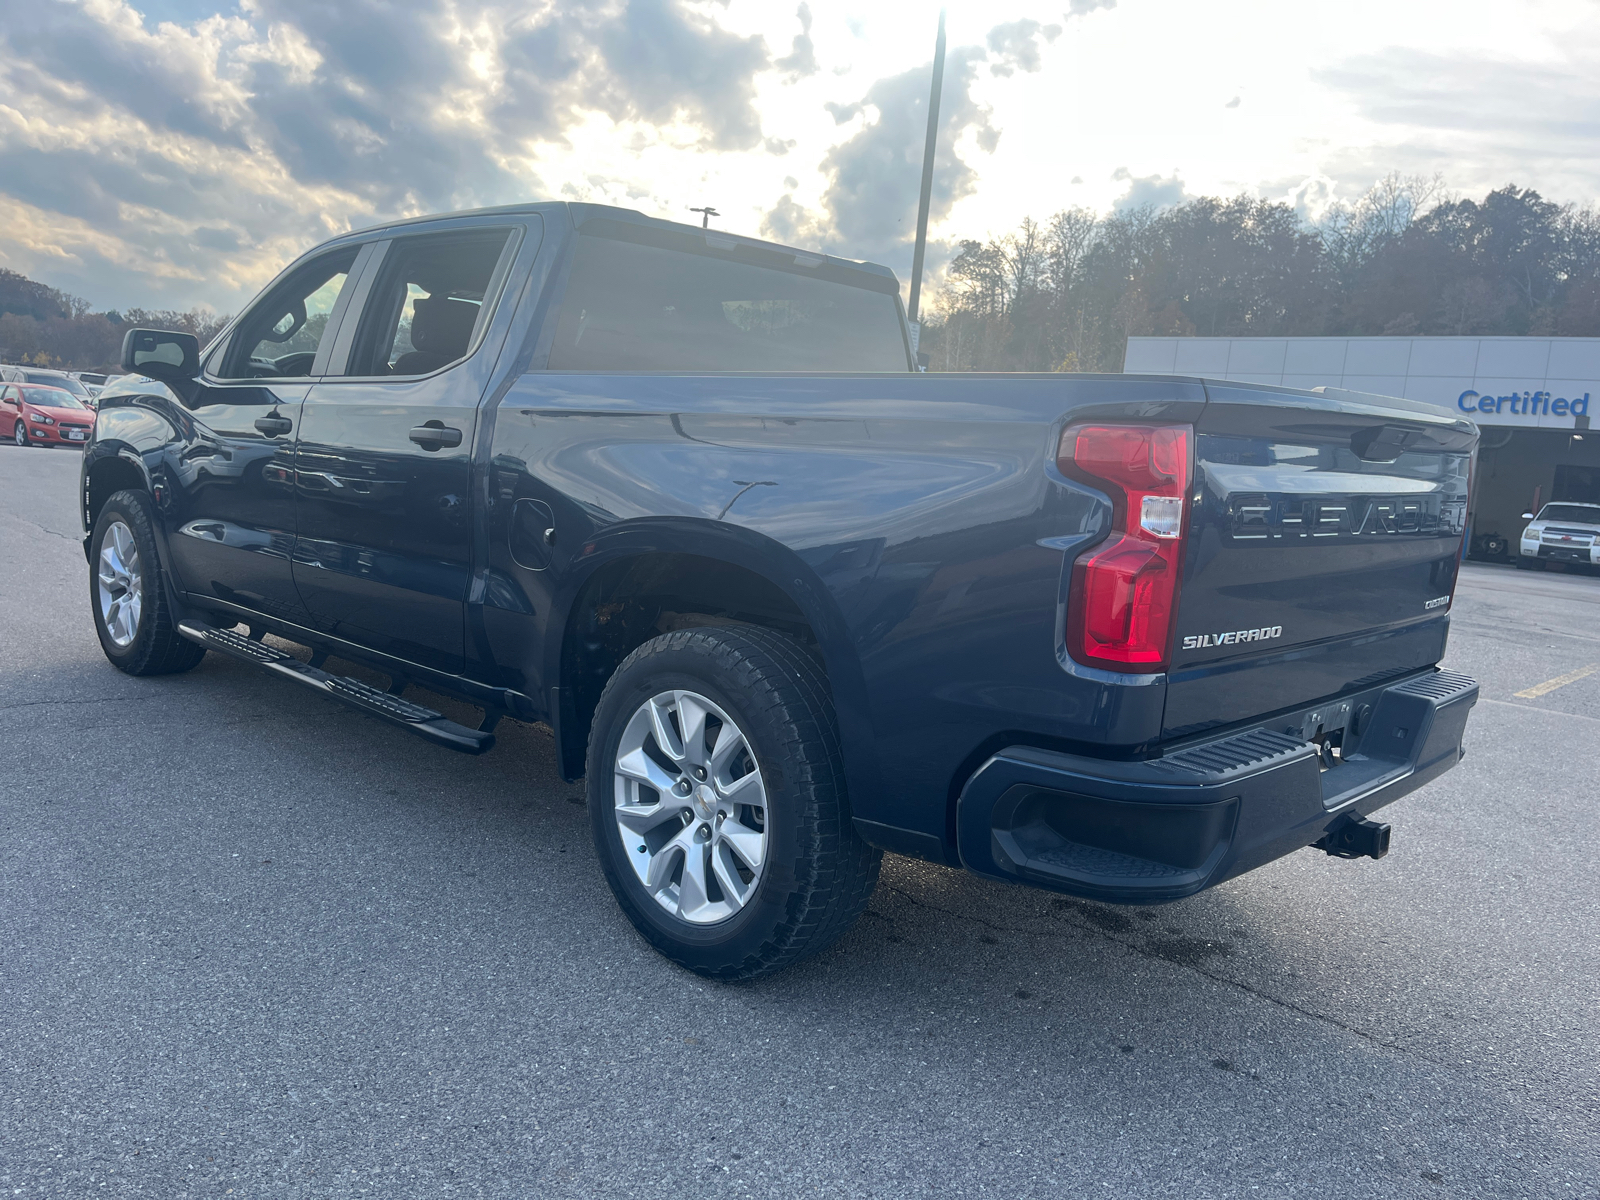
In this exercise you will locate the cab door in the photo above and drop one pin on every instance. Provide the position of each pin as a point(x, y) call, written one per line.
point(383, 465)
point(230, 475)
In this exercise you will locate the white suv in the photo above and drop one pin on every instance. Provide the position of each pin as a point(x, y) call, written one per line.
point(1561, 533)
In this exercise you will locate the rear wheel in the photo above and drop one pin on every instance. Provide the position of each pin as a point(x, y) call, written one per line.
point(128, 592)
point(717, 800)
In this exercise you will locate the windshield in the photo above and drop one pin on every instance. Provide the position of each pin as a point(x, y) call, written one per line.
point(50, 379)
point(1583, 514)
point(50, 397)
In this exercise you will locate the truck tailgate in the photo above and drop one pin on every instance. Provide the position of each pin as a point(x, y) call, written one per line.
point(1325, 532)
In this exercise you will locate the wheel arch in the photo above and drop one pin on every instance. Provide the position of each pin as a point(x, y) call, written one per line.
point(658, 574)
point(109, 470)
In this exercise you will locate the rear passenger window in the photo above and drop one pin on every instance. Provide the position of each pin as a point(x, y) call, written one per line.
point(641, 299)
point(426, 308)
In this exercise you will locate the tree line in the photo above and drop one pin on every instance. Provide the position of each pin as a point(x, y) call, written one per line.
point(43, 327)
point(1408, 258)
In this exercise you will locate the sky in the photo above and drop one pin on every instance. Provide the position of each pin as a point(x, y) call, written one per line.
point(173, 153)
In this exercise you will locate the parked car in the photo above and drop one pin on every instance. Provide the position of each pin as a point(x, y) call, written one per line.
point(43, 375)
point(93, 381)
point(1566, 532)
point(784, 601)
point(34, 415)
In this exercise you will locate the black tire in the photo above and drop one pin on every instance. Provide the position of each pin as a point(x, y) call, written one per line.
point(19, 433)
point(157, 648)
point(819, 874)
point(1524, 563)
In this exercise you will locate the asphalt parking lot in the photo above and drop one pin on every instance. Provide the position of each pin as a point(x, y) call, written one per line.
point(253, 944)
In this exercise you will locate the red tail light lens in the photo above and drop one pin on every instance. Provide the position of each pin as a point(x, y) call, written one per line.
point(1125, 590)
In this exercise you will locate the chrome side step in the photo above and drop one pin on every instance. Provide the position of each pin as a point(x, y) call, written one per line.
point(423, 722)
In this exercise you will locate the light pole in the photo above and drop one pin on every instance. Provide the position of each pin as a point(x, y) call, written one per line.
point(927, 174)
point(706, 214)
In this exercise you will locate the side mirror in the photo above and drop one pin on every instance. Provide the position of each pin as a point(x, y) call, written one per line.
point(161, 354)
point(1527, 516)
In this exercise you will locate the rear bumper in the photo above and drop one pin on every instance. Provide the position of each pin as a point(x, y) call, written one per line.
point(1160, 829)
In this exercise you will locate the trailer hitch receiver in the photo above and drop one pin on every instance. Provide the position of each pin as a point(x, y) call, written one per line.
point(1355, 837)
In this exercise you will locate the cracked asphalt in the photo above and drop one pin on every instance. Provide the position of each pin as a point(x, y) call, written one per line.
point(255, 945)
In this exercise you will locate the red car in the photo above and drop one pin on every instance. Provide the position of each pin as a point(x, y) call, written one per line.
point(34, 414)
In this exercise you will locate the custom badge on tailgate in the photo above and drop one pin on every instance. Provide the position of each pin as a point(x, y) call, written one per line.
point(1199, 641)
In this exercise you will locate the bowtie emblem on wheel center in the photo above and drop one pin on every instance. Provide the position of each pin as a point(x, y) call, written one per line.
point(705, 801)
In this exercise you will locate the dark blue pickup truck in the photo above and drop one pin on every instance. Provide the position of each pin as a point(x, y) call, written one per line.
point(784, 600)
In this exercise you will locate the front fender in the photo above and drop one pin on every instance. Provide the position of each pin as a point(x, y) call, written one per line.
point(130, 448)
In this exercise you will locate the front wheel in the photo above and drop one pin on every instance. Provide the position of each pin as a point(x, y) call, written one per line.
point(1525, 563)
point(19, 434)
point(127, 592)
point(718, 806)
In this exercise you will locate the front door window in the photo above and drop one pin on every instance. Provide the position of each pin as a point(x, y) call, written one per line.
point(279, 338)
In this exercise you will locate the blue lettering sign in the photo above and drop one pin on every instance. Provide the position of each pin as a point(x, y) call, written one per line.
point(1524, 404)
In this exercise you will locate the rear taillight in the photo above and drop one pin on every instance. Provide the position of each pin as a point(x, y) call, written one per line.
point(1125, 590)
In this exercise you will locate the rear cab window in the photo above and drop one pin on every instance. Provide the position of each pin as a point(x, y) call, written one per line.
point(641, 298)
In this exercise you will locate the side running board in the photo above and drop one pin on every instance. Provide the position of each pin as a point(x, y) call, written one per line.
point(424, 722)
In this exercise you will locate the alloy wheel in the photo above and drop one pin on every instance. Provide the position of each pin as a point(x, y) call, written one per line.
point(121, 589)
point(691, 807)
point(20, 434)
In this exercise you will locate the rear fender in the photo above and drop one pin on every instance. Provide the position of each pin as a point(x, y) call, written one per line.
point(761, 556)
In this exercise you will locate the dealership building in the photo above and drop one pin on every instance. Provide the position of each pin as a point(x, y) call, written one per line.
point(1531, 395)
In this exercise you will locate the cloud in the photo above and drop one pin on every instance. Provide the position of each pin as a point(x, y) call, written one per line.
point(1479, 120)
point(792, 223)
point(1082, 8)
point(871, 199)
point(1234, 103)
point(802, 57)
point(1148, 191)
point(212, 152)
point(1016, 46)
point(1309, 195)
point(870, 203)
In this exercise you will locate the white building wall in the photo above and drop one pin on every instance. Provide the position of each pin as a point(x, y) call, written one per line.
point(1436, 370)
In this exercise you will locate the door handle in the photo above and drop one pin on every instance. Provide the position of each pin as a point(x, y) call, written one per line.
point(433, 435)
point(273, 425)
